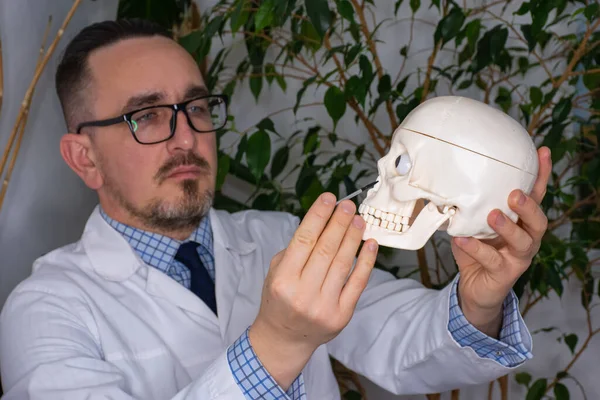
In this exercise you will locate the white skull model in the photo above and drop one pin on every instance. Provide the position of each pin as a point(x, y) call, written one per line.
point(451, 162)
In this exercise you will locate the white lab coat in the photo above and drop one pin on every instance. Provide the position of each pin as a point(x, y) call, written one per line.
point(94, 322)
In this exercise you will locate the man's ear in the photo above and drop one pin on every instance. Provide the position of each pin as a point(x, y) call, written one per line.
point(79, 155)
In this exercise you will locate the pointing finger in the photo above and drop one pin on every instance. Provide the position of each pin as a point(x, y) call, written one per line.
point(306, 236)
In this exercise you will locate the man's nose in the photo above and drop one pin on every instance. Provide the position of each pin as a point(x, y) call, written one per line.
point(184, 137)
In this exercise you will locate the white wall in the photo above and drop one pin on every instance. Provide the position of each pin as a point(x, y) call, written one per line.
point(46, 204)
point(567, 313)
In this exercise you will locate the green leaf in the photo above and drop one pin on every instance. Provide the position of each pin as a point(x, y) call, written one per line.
point(311, 141)
point(280, 160)
point(472, 32)
point(346, 10)
point(332, 138)
point(355, 88)
point(192, 41)
point(536, 95)
point(241, 150)
point(397, 6)
point(449, 26)
point(240, 15)
point(402, 85)
point(561, 392)
point(315, 189)
point(591, 80)
point(258, 153)
point(465, 84)
point(524, 9)
point(222, 170)
point(384, 87)
point(300, 93)
point(414, 5)
point(350, 56)
point(310, 35)
point(562, 110)
point(523, 65)
point(504, 99)
point(561, 375)
point(523, 378)
point(352, 395)
point(319, 14)
point(366, 68)
point(592, 11)
point(537, 390)
point(265, 15)
point(490, 48)
point(266, 124)
point(571, 341)
point(335, 103)
point(358, 153)
point(587, 291)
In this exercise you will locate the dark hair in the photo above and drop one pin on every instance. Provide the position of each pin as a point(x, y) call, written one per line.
point(72, 74)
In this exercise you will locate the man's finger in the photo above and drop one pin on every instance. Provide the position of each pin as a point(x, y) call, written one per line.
point(344, 259)
point(484, 254)
point(544, 171)
point(534, 221)
point(328, 244)
point(306, 236)
point(518, 240)
point(357, 282)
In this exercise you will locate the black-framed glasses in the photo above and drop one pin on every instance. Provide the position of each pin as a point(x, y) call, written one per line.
point(155, 124)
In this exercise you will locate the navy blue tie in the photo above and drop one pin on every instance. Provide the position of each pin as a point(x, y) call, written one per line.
point(201, 282)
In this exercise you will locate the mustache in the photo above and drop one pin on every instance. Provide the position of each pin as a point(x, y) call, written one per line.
point(187, 159)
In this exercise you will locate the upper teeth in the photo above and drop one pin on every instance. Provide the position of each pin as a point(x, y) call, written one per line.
point(385, 220)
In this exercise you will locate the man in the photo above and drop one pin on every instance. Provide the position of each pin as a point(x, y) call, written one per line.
point(166, 298)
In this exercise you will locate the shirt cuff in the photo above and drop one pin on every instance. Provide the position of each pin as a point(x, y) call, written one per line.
point(253, 378)
point(514, 344)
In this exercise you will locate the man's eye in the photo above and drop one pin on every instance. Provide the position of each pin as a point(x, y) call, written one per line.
point(146, 117)
point(197, 109)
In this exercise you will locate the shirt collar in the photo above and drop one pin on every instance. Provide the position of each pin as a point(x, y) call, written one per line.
point(159, 250)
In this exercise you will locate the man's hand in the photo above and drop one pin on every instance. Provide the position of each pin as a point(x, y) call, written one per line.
point(309, 294)
point(489, 269)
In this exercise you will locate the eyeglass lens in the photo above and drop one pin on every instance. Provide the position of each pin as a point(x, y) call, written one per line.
point(154, 124)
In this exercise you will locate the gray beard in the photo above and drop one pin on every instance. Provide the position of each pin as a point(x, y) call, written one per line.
point(187, 213)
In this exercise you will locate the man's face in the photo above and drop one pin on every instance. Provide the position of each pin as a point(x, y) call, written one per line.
point(166, 186)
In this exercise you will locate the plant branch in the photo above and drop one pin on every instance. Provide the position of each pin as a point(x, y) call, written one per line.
point(591, 334)
point(279, 112)
point(559, 221)
point(579, 52)
point(410, 40)
point(18, 130)
point(373, 49)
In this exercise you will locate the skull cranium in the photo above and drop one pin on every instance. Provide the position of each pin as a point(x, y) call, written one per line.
point(451, 162)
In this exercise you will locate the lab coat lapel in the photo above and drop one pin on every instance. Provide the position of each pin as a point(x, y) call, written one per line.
point(160, 285)
point(114, 259)
point(231, 253)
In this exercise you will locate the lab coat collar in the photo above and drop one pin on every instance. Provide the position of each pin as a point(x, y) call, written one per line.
point(114, 259)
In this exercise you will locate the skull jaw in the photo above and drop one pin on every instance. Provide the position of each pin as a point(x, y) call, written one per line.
point(429, 220)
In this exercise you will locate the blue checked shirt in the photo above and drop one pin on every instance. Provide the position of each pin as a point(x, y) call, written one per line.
point(253, 379)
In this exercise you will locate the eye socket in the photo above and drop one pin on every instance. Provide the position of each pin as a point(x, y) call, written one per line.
point(403, 164)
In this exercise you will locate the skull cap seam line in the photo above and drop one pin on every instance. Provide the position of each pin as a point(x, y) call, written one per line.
point(464, 148)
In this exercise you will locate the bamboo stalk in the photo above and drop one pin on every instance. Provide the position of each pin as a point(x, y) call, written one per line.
point(23, 123)
point(21, 120)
